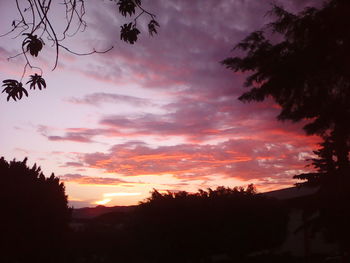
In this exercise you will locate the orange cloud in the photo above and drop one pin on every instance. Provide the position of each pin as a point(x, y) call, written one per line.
point(243, 159)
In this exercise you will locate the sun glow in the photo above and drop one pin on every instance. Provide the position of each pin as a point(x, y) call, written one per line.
point(103, 201)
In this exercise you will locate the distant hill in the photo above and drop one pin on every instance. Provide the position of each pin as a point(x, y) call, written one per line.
point(92, 212)
point(291, 192)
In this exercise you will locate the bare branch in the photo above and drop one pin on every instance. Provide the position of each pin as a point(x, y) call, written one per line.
point(88, 53)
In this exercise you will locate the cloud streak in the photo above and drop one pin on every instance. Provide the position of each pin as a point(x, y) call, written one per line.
point(242, 159)
point(97, 99)
point(89, 180)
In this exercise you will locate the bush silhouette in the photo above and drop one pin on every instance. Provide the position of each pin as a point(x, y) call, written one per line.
point(35, 215)
point(190, 226)
point(186, 227)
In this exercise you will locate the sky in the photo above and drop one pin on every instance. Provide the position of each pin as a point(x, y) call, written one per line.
point(160, 114)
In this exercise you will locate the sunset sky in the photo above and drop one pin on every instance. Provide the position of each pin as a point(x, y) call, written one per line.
point(162, 113)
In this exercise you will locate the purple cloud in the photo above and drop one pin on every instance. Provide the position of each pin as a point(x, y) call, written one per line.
point(222, 135)
point(96, 99)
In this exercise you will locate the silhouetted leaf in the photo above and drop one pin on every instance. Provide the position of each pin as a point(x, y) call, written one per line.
point(36, 80)
point(127, 7)
point(14, 89)
point(129, 33)
point(152, 27)
point(33, 44)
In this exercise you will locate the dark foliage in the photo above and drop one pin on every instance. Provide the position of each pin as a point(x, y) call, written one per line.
point(34, 214)
point(14, 89)
point(186, 227)
point(307, 73)
point(36, 80)
point(127, 7)
point(328, 210)
point(324, 163)
point(33, 44)
point(129, 33)
point(152, 27)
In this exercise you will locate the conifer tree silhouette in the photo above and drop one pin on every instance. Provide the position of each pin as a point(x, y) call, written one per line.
point(307, 73)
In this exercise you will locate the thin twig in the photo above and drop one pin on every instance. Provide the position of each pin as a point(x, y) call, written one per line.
point(88, 53)
point(20, 12)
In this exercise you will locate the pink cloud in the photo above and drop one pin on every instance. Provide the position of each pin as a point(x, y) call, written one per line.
point(243, 159)
point(81, 179)
point(195, 121)
point(70, 137)
point(72, 164)
point(183, 62)
point(96, 99)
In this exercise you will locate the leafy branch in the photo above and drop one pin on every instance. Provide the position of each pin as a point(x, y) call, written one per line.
point(35, 25)
point(129, 32)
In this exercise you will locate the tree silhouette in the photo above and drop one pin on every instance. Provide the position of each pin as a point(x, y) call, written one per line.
point(307, 73)
point(37, 29)
point(186, 226)
point(324, 164)
point(330, 202)
point(34, 214)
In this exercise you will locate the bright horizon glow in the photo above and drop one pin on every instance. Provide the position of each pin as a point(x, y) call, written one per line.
point(103, 201)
